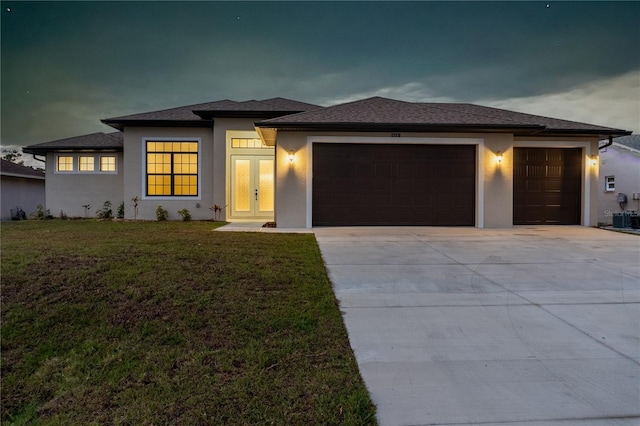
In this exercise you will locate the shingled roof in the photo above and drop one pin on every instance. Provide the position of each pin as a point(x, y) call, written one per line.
point(382, 114)
point(7, 168)
point(200, 115)
point(632, 141)
point(92, 142)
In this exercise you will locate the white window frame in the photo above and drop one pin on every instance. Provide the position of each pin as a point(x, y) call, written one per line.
point(143, 188)
point(73, 163)
point(76, 163)
point(92, 157)
point(115, 164)
point(609, 183)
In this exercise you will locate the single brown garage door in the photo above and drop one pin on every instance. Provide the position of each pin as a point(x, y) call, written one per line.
point(547, 186)
point(383, 184)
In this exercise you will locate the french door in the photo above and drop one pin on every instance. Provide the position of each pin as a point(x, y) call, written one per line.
point(252, 187)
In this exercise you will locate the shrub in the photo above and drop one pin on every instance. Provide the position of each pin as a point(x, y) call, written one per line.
point(41, 213)
point(185, 214)
point(120, 214)
point(63, 215)
point(105, 212)
point(161, 214)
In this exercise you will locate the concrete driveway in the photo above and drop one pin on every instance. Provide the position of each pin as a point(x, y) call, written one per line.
point(527, 326)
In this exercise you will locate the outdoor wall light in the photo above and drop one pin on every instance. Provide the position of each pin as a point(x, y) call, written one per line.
point(593, 159)
point(291, 156)
point(499, 157)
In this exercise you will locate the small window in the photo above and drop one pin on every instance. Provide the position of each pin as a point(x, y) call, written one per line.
point(609, 183)
point(108, 164)
point(248, 143)
point(65, 164)
point(86, 164)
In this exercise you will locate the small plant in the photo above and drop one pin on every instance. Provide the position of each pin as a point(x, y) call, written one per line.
point(185, 214)
point(105, 212)
point(120, 214)
point(86, 207)
point(135, 207)
point(19, 214)
point(63, 215)
point(41, 213)
point(216, 209)
point(161, 214)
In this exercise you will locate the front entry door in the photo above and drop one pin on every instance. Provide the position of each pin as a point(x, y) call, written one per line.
point(252, 186)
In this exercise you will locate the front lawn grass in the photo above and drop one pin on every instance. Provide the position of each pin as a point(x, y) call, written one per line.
point(171, 323)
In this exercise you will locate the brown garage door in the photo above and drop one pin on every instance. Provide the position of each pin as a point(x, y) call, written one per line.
point(382, 184)
point(547, 186)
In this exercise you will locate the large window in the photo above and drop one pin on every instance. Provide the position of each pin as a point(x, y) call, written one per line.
point(64, 163)
point(172, 168)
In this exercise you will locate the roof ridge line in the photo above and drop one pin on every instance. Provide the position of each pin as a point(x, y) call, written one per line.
point(166, 109)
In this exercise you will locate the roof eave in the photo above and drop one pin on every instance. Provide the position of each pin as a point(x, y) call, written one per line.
point(121, 124)
point(208, 114)
point(601, 133)
point(399, 127)
point(44, 150)
point(25, 176)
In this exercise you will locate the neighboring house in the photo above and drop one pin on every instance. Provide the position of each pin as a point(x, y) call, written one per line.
point(22, 189)
point(619, 174)
point(375, 161)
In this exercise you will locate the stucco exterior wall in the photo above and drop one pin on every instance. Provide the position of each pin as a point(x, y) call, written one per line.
point(291, 180)
point(494, 184)
point(213, 160)
point(624, 164)
point(20, 192)
point(68, 192)
point(135, 178)
point(494, 194)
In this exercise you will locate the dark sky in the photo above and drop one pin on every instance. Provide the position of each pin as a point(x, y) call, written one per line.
point(65, 65)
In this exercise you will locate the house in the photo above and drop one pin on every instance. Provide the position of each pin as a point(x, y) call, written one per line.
point(374, 161)
point(619, 174)
point(22, 189)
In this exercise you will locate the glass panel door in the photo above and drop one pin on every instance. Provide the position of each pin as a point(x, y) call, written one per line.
point(242, 185)
point(265, 185)
point(252, 186)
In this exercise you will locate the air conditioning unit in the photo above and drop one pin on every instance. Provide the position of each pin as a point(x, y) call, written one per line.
point(636, 195)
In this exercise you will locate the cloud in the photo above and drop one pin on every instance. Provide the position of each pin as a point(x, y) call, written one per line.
point(410, 92)
point(612, 102)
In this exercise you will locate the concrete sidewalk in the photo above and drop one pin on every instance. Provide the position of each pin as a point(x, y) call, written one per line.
point(258, 227)
point(527, 326)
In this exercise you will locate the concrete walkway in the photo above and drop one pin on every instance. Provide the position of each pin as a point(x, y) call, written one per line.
point(524, 326)
point(258, 227)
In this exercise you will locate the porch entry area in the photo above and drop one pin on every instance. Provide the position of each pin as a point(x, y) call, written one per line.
point(250, 178)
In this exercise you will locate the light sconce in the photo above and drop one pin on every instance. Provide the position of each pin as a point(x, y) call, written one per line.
point(499, 157)
point(593, 159)
point(291, 156)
